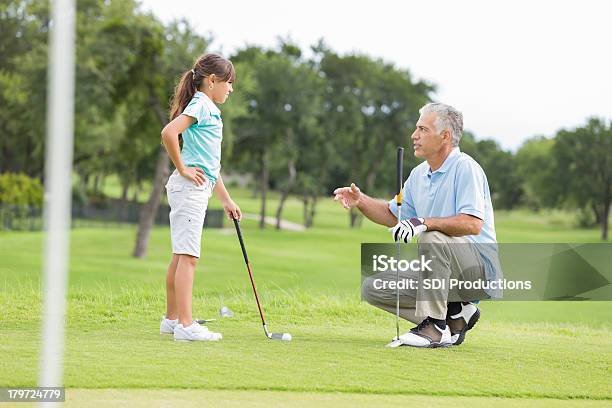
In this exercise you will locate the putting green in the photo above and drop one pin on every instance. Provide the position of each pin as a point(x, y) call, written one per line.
point(264, 399)
point(520, 353)
point(560, 350)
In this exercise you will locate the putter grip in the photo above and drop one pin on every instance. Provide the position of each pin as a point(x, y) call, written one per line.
point(246, 258)
point(400, 177)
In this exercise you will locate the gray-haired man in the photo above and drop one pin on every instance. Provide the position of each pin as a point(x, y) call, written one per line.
point(446, 200)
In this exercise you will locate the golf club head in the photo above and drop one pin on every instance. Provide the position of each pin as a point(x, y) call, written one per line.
point(395, 343)
point(280, 336)
point(204, 321)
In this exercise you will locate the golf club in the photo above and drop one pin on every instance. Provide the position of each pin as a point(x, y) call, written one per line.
point(395, 342)
point(272, 336)
point(204, 321)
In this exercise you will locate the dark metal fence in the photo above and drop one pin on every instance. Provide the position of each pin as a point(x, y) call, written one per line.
point(20, 217)
point(111, 213)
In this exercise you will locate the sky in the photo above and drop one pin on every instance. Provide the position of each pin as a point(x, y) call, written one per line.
point(515, 69)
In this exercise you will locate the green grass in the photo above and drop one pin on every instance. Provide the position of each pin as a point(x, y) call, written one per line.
point(111, 343)
point(264, 399)
point(547, 353)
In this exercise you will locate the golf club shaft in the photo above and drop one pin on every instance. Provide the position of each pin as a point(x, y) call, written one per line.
point(246, 260)
point(398, 202)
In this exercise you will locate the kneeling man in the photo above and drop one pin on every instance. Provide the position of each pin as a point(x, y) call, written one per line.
point(446, 203)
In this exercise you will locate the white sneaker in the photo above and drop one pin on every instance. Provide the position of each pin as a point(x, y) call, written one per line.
point(166, 326)
point(195, 332)
point(427, 334)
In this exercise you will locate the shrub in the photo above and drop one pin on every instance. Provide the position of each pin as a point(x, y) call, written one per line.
point(21, 190)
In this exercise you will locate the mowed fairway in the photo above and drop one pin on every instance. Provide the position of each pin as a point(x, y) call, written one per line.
point(520, 354)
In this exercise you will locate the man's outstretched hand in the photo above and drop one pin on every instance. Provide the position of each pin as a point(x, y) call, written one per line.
point(349, 196)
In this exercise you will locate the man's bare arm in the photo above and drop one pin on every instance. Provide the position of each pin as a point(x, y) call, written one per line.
point(376, 210)
point(455, 226)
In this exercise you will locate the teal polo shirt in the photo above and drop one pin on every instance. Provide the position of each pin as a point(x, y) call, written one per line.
point(459, 186)
point(202, 140)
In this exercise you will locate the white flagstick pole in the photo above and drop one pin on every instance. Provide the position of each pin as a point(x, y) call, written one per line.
point(58, 188)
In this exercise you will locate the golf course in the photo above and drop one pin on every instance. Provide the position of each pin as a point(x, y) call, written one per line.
point(549, 354)
point(304, 204)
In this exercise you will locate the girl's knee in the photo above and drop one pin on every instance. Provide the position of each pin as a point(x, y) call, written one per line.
point(189, 259)
point(174, 260)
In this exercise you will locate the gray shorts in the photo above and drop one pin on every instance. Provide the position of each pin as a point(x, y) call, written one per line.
point(188, 204)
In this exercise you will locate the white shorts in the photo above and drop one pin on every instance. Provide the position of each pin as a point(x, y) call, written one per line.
point(188, 204)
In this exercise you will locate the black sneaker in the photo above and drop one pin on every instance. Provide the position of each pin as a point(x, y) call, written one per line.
point(461, 322)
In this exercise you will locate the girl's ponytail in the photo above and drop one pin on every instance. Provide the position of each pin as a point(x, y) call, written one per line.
point(183, 93)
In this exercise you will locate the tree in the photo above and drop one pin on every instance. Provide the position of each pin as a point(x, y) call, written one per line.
point(299, 120)
point(281, 116)
point(536, 167)
point(24, 27)
point(254, 135)
point(371, 107)
point(500, 168)
point(584, 158)
point(127, 52)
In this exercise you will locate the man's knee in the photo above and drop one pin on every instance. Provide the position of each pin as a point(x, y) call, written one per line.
point(368, 291)
point(433, 237)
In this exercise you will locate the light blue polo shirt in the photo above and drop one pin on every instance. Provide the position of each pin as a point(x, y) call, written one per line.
point(202, 140)
point(459, 186)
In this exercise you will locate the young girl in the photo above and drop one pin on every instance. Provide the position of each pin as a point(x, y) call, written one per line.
point(196, 117)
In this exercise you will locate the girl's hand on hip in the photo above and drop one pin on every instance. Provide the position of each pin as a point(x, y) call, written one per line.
point(195, 174)
point(232, 210)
